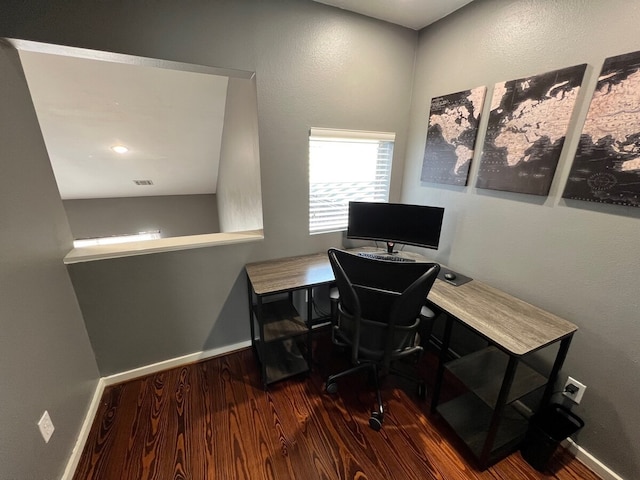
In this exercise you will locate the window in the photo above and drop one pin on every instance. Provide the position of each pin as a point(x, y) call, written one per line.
point(344, 166)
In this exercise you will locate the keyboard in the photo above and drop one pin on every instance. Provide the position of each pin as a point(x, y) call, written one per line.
point(388, 258)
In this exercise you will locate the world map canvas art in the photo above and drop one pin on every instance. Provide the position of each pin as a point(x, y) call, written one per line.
point(606, 167)
point(451, 136)
point(526, 130)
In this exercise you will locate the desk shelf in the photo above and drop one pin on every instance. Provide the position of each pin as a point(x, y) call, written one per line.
point(282, 359)
point(470, 417)
point(471, 414)
point(280, 338)
point(281, 319)
point(482, 373)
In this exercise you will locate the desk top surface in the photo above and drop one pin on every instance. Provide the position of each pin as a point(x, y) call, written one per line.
point(291, 273)
point(510, 323)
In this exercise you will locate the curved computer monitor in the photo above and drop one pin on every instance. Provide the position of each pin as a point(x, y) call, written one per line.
point(418, 225)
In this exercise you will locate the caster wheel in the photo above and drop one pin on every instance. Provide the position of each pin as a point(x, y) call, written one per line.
point(331, 388)
point(375, 421)
point(422, 391)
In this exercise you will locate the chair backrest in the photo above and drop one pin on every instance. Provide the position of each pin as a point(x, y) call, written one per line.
point(381, 300)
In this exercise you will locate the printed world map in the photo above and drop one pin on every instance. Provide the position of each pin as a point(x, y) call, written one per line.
point(526, 131)
point(606, 168)
point(451, 136)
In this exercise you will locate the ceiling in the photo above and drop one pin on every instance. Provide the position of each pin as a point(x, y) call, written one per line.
point(171, 121)
point(415, 14)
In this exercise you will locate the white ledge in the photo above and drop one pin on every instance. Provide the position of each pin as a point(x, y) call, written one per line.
point(145, 247)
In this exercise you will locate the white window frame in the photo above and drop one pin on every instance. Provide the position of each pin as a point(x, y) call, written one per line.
point(361, 171)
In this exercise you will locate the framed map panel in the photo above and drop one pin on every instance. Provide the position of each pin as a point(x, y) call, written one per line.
point(606, 168)
point(451, 136)
point(526, 131)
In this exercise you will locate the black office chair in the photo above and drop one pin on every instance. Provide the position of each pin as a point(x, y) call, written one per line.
point(378, 315)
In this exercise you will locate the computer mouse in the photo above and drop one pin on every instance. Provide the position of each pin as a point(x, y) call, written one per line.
point(450, 276)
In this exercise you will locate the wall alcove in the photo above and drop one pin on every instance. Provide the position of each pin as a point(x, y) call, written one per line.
point(191, 172)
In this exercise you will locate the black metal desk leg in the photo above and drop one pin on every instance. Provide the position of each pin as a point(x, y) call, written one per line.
point(444, 350)
point(499, 409)
point(557, 365)
point(251, 325)
point(261, 348)
point(309, 325)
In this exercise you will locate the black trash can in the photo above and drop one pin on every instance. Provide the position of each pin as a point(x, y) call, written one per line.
point(546, 430)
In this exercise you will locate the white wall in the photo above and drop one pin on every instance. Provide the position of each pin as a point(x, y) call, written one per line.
point(575, 259)
point(239, 191)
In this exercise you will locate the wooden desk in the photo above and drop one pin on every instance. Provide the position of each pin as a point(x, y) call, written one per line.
point(484, 417)
point(283, 337)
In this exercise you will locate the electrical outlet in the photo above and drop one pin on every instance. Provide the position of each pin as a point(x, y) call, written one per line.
point(46, 426)
point(574, 390)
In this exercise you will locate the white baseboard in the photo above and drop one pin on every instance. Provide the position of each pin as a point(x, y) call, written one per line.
point(590, 461)
point(173, 362)
point(103, 382)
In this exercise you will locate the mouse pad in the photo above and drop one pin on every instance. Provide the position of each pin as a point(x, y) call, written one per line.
point(459, 280)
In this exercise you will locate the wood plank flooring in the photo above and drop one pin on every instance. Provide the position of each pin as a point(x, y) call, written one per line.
point(212, 420)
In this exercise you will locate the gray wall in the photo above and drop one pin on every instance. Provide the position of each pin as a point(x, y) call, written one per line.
point(315, 66)
point(318, 66)
point(239, 191)
point(173, 215)
point(575, 259)
point(46, 362)
point(139, 311)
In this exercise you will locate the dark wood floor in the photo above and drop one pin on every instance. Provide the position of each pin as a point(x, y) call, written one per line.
point(213, 420)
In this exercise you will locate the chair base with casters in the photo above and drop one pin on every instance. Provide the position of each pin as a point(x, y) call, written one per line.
point(427, 317)
point(377, 416)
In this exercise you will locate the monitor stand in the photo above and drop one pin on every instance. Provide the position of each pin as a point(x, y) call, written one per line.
point(390, 246)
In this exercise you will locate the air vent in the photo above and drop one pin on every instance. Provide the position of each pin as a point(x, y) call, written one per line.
point(143, 182)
